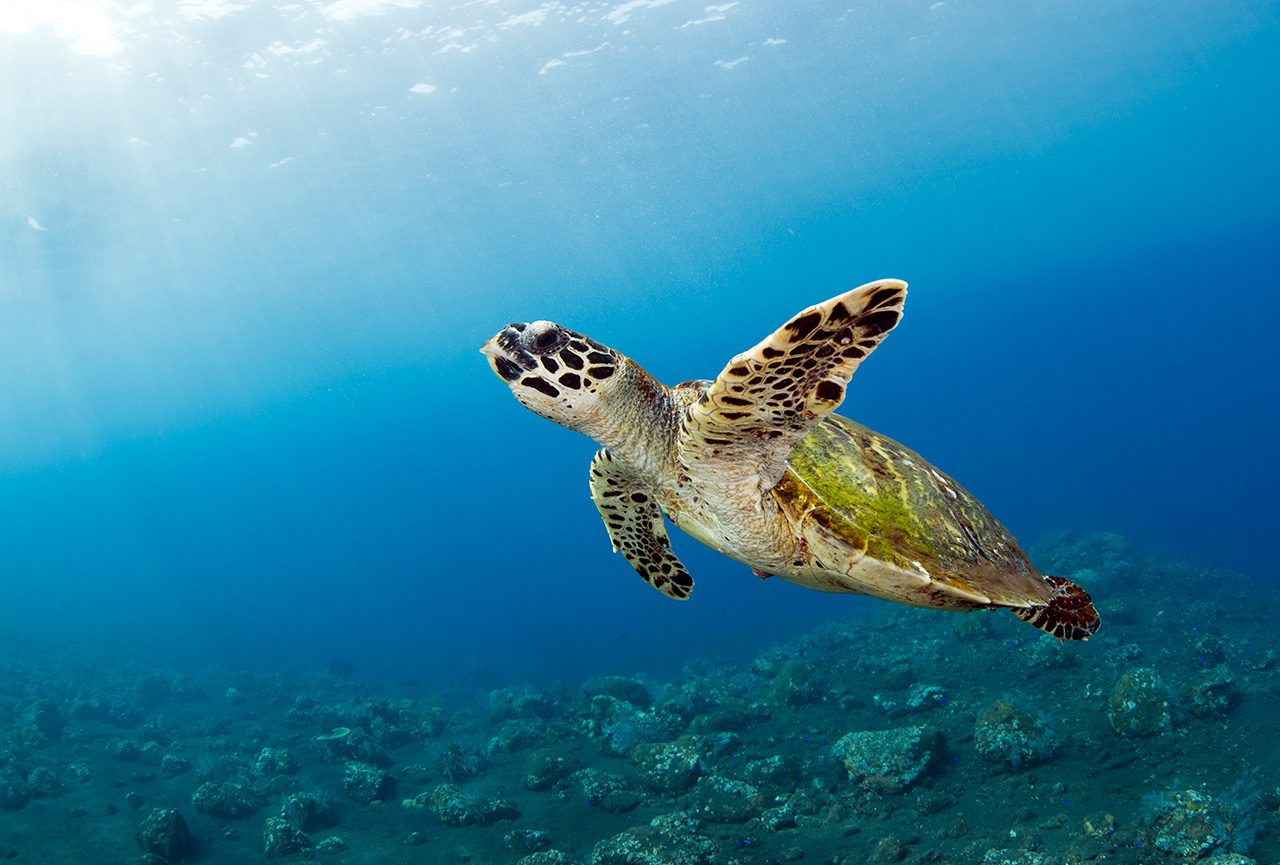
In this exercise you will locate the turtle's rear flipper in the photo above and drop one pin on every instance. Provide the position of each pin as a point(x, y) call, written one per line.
point(1069, 615)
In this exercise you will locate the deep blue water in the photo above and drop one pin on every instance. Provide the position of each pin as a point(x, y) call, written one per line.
point(245, 270)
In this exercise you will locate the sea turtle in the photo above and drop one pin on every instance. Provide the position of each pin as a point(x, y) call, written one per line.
point(755, 464)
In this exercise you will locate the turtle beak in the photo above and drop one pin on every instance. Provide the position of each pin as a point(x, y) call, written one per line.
point(505, 356)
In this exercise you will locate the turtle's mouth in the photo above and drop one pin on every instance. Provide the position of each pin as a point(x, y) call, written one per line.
point(506, 358)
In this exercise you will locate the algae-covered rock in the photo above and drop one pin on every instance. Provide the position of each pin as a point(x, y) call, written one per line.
point(521, 841)
point(13, 790)
point(782, 770)
point(1192, 825)
point(281, 838)
point(1013, 857)
point(546, 857)
point(352, 743)
point(459, 762)
point(367, 784)
point(1068, 554)
point(888, 761)
point(670, 839)
point(1214, 695)
point(43, 784)
point(331, 845)
point(1009, 734)
point(456, 808)
point(171, 766)
point(619, 688)
point(1139, 704)
point(718, 799)
point(606, 790)
point(274, 761)
point(164, 833)
point(508, 703)
point(667, 766)
point(307, 810)
point(515, 736)
point(226, 799)
point(42, 724)
point(793, 684)
point(547, 767)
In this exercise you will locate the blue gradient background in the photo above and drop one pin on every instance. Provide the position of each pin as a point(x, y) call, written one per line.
point(242, 415)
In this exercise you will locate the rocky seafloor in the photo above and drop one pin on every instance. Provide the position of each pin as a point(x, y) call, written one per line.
point(905, 736)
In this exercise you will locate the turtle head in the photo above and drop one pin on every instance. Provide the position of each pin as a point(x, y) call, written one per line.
point(555, 372)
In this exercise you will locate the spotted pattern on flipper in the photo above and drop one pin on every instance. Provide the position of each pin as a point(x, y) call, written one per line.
point(635, 526)
point(1069, 615)
point(766, 399)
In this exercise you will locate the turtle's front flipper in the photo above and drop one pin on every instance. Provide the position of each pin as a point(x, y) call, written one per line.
point(635, 526)
point(768, 398)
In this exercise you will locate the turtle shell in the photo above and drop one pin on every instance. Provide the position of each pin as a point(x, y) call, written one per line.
point(879, 515)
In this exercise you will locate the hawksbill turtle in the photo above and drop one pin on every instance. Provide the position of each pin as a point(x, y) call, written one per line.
point(756, 465)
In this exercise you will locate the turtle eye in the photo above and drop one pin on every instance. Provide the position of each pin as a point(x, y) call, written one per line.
point(548, 340)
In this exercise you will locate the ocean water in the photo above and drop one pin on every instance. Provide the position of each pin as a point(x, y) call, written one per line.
point(249, 251)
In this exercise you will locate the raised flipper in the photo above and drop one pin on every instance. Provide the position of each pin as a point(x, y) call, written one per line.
point(1069, 615)
point(635, 526)
point(768, 398)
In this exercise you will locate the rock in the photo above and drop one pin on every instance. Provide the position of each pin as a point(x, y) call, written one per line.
point(274, 761)
point(888, 761)
point(888, 849)
point(13, 790)
point(164, 833)
point(455, 808)
point(43, 784)
point(459, 762)
point(125, 751)
point(352, 743)
point(307, 811)
point(451, 805)
point(1068, 554)
point(778, 818)
point(546, 857)
point(515, 736)
point(1139, 704)
point(606, 790)
point(332, 844)
point(226, 800)
point(670, 839)
point(281, 838)
point(793, 685)
point(723, 800)
point(508, 703)
point(172, 767)
point(1012, 857)
point(1009, 734)
point(1214, 695)
point(1229, 859)
point(546, 768)
point(1192, 825)
point(367, 784)
point(42, 724)
point(667, 767)
point(618, 726)
point(922, 697)
point(619, 688)
point(520, 841)
point(779, 770)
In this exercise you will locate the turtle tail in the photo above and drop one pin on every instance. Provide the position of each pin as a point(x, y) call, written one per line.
point(1068, 615)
